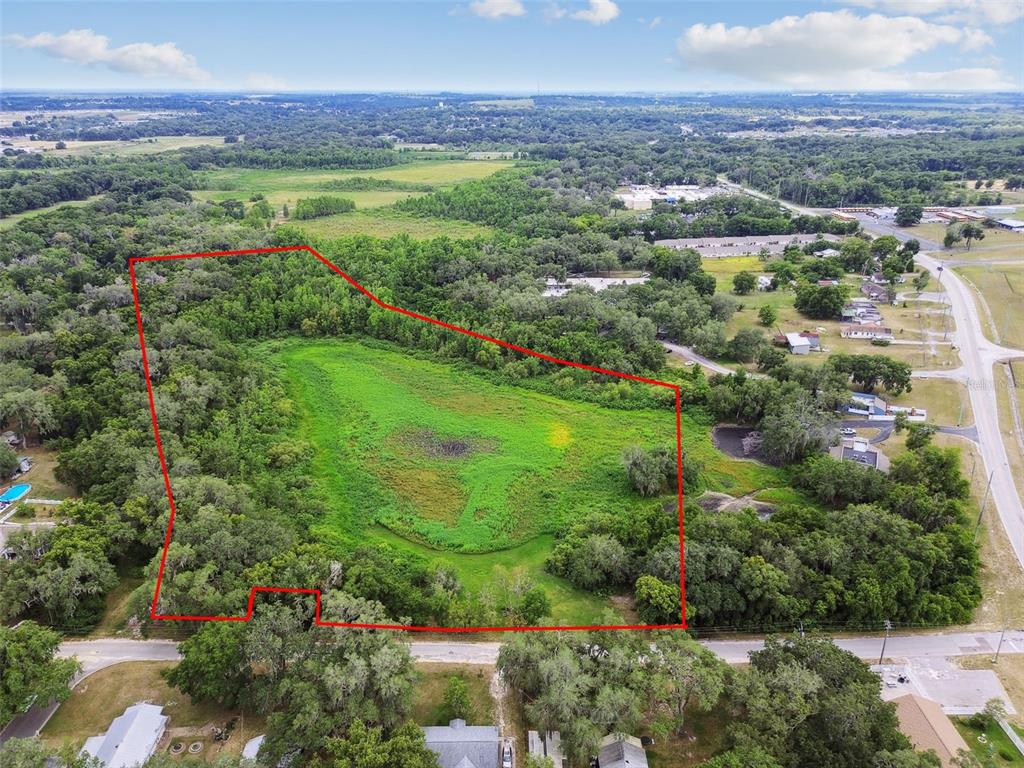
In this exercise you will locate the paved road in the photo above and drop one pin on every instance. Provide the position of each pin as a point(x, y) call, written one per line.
point(688, 354)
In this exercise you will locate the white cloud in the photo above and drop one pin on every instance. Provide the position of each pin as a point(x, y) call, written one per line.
point(962, 11)
point(834, 50)
point(655, 22)
point(83, 46)
point(497, 9)
point(554, 12)
point(262, 81)
point(597, 12)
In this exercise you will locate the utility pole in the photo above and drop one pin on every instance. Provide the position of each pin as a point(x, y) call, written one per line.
point(995, 659)
point(983, 503)
point(888, 626)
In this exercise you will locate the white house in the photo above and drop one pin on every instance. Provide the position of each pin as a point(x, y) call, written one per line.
point(131, 738)
point(865, 332)
point(1014, 225)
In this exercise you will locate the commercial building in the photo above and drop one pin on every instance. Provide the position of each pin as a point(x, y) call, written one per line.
point(642, 197)
point(1014, 225)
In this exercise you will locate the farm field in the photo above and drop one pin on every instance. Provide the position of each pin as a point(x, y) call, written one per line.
point(438, 461)
point(282, 187)
point(1002, 289)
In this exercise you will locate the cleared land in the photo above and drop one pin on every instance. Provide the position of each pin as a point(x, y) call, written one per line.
point(147, 146)
point(9, 221)
point(428, 703)
point(287, 186)
point(437, 460)
point(385, 222)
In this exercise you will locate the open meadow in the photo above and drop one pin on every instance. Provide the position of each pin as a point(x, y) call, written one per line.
point(439, 461)
point(1002, 289)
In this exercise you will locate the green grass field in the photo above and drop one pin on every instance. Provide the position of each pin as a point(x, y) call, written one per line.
point(1002, 289)
point(438, 461)
point(9, 221)
point(127, 148)
point(387, 222)
point(286, 186)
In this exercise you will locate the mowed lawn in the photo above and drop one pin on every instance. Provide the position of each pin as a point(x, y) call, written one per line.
point(438, 461)
point(1002, 288)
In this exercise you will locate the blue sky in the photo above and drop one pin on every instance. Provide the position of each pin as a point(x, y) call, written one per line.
point(514, 45)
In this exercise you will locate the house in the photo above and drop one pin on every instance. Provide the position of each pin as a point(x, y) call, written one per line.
point(928, 727)
point(797, 344)
point(863, 404)
point(131, 738)
point(867, 331)
point(859, 450)
point(458, 745)
point(813, 339)
point(860, 313)
point(621, 751)
point(825, 283)
point(1014, 225)
point(828, 253)
point(548, 745)
point(764, 282)
point(874, 292)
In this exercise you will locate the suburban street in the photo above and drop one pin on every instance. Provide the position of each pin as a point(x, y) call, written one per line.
point(978, 356)
point(95, 655)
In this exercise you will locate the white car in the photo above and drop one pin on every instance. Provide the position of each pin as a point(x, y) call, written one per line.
point(847, 432)
point(506, 756)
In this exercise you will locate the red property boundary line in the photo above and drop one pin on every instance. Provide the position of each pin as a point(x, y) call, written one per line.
point(433, 321)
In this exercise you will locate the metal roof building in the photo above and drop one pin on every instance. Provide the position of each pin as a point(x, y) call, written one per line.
point(458, 745)
point(130, 739)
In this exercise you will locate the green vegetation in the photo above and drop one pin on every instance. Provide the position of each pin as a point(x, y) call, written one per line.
point(30, 671)
point(324, 205)
point(451, 461)
point(438, 699)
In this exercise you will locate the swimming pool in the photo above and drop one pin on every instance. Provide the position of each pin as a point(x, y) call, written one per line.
point(15, 492)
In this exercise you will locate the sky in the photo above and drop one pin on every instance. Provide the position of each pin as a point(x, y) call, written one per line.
point(503, 46)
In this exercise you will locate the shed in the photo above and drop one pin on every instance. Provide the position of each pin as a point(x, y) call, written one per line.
point(798, 344)
point(619, 750)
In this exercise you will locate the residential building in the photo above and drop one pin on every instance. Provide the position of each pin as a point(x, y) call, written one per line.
point(828, 253)
point(458, 745)
point(548, 745)
point(720, 247)
point(866, 331)
point(131, 738)
point(875, 292)
point(864, 404)
point(859, 450)
point(928, 727)
point(621, 751)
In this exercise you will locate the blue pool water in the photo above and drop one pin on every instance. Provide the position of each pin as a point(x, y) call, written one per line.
point(15, 492)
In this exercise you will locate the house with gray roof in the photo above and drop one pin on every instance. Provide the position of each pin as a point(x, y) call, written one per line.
point(131, 738)
point(619, 750)
point(458, 745)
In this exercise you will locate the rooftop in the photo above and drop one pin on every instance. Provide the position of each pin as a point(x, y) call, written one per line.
point(458, 745)
point(130, 739)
